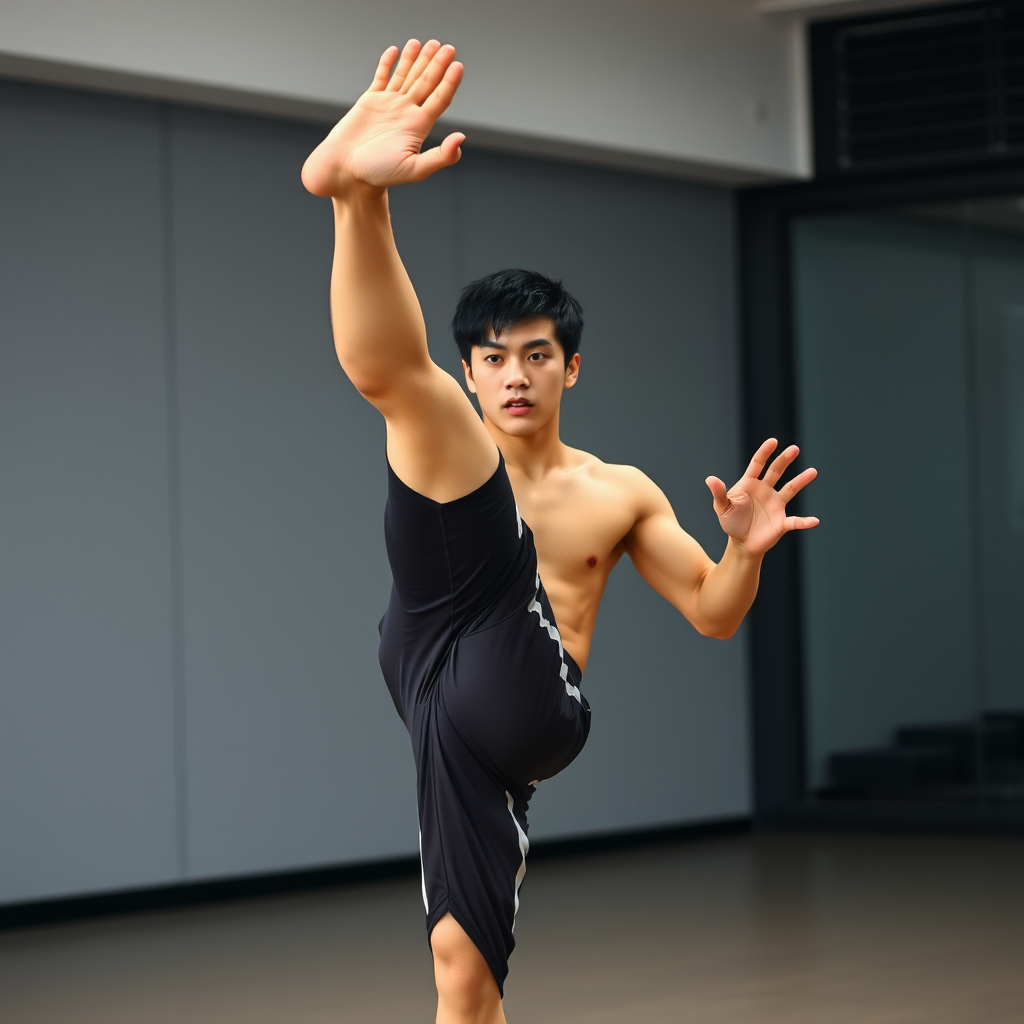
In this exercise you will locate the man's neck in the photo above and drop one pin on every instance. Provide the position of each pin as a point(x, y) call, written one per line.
point(533, 455)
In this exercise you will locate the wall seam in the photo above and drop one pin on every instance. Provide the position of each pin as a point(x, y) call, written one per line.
point(458, 223)
point(174, 490)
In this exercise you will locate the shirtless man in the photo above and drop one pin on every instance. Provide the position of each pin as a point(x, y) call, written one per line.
point(483, 661)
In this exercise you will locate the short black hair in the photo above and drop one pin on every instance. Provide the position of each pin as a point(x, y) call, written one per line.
point(508, 297)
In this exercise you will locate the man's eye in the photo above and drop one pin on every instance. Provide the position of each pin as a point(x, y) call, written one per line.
point(491, 359)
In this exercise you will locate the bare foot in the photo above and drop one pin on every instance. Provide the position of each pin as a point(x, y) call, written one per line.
point(379, 141)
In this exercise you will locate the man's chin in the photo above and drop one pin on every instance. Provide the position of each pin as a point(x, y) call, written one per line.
point(517, 426)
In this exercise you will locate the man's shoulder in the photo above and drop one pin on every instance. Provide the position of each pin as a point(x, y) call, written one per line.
point(629, 480)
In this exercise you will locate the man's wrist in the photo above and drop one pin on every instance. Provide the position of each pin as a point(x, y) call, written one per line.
point(738, 550)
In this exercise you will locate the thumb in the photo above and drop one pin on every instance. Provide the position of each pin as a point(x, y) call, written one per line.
point(720, 494)
point(447, 153)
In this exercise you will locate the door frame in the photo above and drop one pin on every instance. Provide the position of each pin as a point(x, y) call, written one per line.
point(778, 693)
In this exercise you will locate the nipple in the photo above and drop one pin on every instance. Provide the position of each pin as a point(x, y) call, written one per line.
point(592, 561)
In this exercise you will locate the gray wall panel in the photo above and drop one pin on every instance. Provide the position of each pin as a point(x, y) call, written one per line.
point(652, 263)
point(87, 784)
point(424, 217)
point(295, 754)
point(290, 751)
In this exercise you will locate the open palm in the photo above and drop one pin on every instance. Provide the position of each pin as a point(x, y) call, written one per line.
point(753, 512)
point(379, 141)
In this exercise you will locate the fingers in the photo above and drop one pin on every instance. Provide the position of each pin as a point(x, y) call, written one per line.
point(801, 522)
point(422, 62)
point(757, 463)
point(426, 72)
point(438, 101)
point(410, 52)
point(383, 72)
point(780, 465)
point(796, 485)
point(719, 494)
point(448, 153)
point(430, 76)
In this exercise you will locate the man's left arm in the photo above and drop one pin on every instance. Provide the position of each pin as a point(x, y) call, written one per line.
point(714, 597)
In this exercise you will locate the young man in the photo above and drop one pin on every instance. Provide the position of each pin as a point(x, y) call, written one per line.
point(483, 661)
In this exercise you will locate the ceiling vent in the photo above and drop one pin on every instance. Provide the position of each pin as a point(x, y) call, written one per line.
point(935, 86)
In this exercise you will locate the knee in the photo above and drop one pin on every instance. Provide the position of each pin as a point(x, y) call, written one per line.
point(464, 981)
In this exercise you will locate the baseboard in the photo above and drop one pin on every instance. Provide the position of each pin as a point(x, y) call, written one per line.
point(190, 894)
point(544, 849)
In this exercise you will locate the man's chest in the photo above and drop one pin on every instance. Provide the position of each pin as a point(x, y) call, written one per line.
point(578, 525)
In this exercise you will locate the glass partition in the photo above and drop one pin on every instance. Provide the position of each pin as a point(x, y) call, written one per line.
point(909, 347)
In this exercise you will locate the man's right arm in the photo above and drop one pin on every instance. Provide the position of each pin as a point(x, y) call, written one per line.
point(436, 442)
point(715, 597)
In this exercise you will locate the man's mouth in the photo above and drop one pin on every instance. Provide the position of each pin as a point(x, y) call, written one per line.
point(518, 406)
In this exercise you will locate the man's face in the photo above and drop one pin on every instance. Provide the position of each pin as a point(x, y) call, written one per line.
point(520, 376)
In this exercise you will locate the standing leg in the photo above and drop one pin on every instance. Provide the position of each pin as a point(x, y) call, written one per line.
point(466, 990)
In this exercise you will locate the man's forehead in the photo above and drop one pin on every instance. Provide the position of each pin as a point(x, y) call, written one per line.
point(538, 329)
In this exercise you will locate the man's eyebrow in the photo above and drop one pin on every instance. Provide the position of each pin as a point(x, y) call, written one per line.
point(492, 343)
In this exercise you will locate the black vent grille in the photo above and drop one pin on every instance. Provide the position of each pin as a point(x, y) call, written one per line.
point(936, 86)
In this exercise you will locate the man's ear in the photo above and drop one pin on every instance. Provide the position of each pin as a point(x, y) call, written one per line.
point(572, 371)
point(468, 371)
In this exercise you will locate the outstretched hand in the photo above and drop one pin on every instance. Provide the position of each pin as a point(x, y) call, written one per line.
point(379, 141)
point(753, 512)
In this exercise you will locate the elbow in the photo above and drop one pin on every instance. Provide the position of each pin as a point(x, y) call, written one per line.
point(716, 631)
point(724, 634)
point(370, 385)
point(379, 383)
point(374, 391)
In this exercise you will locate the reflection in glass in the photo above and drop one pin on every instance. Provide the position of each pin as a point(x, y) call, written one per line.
point(909, 340)
point(1013, 406)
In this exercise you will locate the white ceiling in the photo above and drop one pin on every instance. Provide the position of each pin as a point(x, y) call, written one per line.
point(703, 88)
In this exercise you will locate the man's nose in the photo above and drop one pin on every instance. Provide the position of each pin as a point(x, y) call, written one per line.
point(516, 375)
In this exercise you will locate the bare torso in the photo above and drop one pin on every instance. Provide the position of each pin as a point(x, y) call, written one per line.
point(580, 514)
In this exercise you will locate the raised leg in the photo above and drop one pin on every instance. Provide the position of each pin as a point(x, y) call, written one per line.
point(466, 990)
point(437, 443)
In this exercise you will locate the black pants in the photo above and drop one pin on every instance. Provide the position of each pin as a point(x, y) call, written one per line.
point(476, 668)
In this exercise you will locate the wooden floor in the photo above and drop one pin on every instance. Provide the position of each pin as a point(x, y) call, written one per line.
point(773, 930)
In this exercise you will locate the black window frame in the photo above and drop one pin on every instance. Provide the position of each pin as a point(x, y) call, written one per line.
point(778, 695)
